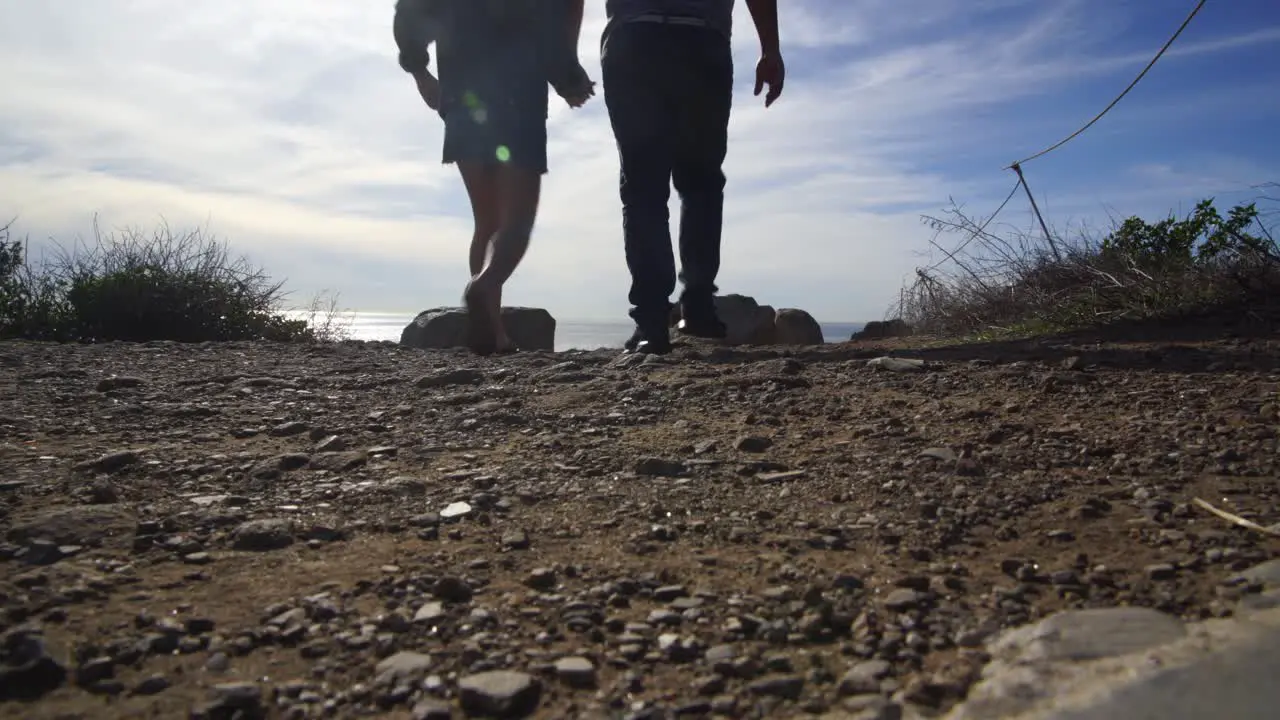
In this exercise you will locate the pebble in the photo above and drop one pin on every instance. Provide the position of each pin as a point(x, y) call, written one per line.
point(516, 540)
point(452, 589)
point(430, 613)
point(403, 668)
point(430, 709)
point(864, 678)
point(455, 510)
point(783, 686)
point(152, 685)
point(903, 599)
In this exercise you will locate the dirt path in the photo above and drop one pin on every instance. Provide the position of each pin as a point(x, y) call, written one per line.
point(361, 530)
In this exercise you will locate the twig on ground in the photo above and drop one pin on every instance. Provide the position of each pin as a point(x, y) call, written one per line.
point(1236, 519)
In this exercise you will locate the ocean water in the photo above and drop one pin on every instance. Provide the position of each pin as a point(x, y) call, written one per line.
point(570, 334)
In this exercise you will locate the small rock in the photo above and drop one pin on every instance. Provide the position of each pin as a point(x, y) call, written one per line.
point(218, 663)
point(289, 429)
point(499, 693)
point(430, 709)
point(864, 678)
point(111, 462)
point(94, 670)
point(403, 668)
point(658, 467)
point(27, 670)
point(753, 443)
point(452, 589)
point(898, 365)
point(782, 686)
point(456, 509)
point(263, 535)
point(430, 613)
point(42, 552)
point(541, 579)
point(903, 599)
point(577, 672)
point(516, 540)
point(450, 378)
point(943, 454)
point(332, 443)
point(238, 699)
point(152, 685)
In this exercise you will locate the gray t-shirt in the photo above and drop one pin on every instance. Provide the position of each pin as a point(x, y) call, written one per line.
point(717, 13)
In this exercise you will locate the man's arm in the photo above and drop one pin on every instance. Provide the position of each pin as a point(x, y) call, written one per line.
point(770, 69)
point(764, 13)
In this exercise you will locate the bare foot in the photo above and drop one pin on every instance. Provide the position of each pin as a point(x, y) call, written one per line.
point(481, 322)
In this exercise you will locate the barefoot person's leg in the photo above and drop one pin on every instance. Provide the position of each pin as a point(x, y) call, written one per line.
point(481, 180)
point(518, 193)
point(514, 143)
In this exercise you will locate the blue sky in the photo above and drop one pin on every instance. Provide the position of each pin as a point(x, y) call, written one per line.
point(286, 127)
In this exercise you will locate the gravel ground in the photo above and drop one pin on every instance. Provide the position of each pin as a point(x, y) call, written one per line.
point(350, 530)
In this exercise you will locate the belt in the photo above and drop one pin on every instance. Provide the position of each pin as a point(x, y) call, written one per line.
point(670, 20)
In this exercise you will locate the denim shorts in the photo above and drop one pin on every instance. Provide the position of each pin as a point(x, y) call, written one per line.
point(502, 119)
point(494, 101)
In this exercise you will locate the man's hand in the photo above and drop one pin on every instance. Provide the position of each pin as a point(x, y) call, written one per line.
point(428, 88)
point(770, 71)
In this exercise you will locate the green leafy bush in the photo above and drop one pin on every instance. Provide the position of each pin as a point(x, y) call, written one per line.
point(132, 286)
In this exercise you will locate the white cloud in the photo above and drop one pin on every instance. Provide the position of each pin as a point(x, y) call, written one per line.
point(287, 127)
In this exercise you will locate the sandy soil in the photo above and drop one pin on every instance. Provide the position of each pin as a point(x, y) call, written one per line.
point(361, 530)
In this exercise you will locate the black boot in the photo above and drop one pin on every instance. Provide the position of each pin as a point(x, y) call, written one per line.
point(698, 318)
point(651, 335)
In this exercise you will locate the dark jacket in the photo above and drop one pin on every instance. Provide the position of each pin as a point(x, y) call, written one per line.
point(466, 31)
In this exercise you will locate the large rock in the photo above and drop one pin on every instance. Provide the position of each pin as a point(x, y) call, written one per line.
point(90, 525)
point(881, 329)
point(446, 327)
point(796, 327)
point(1129, 662)
point(748, 322)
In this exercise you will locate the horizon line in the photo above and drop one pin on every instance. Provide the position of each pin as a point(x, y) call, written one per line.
point(622, 320)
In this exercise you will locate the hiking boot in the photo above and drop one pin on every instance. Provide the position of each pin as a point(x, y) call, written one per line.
point(700, 320)
point(649, 338)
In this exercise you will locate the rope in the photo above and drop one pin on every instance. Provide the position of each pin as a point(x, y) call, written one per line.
point(1105, 110)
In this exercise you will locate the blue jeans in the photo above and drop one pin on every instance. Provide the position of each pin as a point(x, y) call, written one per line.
point(668, 89)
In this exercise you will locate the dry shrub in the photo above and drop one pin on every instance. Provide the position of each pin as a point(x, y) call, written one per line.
point(1019, 282)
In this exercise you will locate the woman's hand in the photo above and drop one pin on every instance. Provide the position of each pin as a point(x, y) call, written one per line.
point(578, 99)
point(580, 90)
